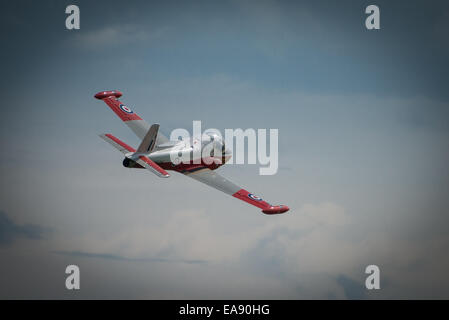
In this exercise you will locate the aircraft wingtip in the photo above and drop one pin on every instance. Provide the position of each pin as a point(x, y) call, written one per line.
point(104, 94)
point(276, 209)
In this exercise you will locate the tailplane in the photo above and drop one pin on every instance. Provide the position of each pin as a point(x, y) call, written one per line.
point(135, 158)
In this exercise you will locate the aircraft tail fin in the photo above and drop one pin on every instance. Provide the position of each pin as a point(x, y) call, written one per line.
point(149, 141)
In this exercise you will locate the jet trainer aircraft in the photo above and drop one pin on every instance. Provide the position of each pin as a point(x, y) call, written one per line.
point(155, 149)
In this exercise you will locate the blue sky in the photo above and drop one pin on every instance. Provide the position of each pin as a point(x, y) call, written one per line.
point(363, 139)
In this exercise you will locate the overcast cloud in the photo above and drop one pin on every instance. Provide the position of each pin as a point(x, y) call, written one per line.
point(363, 150)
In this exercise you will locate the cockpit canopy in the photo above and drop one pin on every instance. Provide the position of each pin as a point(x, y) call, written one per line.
point(218, 144)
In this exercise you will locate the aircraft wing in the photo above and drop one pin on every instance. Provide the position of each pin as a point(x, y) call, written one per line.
point(214, 180)
point(139, 126)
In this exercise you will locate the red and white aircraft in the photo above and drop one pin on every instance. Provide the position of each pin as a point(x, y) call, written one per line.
point(155, 149)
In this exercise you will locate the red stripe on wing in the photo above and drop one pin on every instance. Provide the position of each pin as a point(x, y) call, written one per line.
point(121, 110)
point(244, 195)
point(120, 142)
point(267, 208)
point(154, 165)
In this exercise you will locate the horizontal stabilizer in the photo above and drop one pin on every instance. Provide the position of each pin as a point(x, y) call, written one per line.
point(152, 166)
point(117, 143)
point(131, 153)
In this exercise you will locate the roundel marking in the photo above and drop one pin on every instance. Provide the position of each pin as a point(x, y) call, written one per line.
point(254, 197)
point(125, 109)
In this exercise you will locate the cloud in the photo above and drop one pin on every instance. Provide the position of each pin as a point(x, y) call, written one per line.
point(352, 289)
point(305, 250)
point(10, 231)
point(113, 36)
point(300, 252)
point(334, 229)
point(108, 256)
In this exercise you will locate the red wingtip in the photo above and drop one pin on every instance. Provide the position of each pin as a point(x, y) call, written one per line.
point(276, 209)
point(104, 94)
